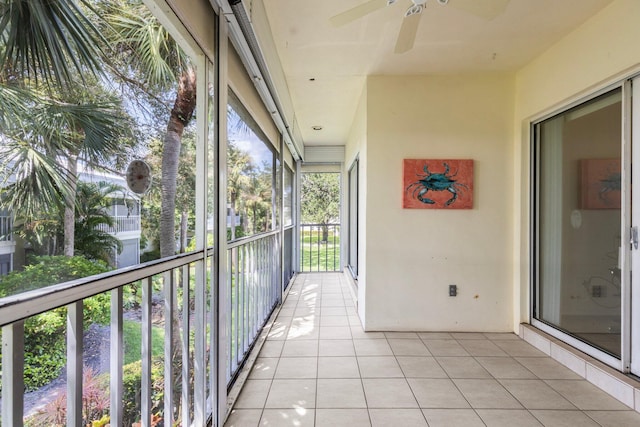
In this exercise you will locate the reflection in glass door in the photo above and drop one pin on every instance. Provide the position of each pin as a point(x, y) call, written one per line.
point(578, 223)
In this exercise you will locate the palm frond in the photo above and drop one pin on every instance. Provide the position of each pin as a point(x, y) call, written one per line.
point(49, 38)
point(93, 130)
point(92, 217)
point(147, 44)
point(14, 105)
point(31, 181)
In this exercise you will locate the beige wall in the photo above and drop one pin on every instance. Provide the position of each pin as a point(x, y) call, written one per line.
point(413, 255)
point(603, 51)
point(246, 92)
point(201, 18)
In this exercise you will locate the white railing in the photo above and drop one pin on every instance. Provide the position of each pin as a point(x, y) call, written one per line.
point(320, 247)
point(6, 224)
point(122, 224)
point(254, 290)
point(173, 308)
point(174, 303)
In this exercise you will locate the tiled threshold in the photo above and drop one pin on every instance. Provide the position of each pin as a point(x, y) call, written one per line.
point(620, 386)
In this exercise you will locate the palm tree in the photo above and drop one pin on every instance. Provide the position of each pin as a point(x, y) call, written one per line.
point(93, 220)
point(239, 167)
point(60, 40)
point(157, 63)
point(42, 150)
point(44, 133)
point(65, 43)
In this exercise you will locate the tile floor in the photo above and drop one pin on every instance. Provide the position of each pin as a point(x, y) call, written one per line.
point(319, 368)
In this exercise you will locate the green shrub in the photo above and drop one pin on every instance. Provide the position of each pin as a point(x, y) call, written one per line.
point(44, 348)
point(131, 380)
point(150, 255)
point(44, 342)
point(48, 270)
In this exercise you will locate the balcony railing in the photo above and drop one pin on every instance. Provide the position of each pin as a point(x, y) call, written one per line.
point(122, 224)
point(288, 248)
point(320, 247)
point(166, 372)
point(170, 382)
point(6, 225)
point(254, 291)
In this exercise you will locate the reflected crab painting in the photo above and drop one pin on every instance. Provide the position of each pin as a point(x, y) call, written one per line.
point(600, 184)
point(437, 184)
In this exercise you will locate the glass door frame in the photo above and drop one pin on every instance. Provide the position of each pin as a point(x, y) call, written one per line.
point(624, 362)
point(632, 307)
point(353, 178)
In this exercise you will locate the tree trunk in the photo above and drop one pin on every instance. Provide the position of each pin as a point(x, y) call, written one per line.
point(255, 218)
point(232, 213)
point(70, 208)
point(181, 115)
point(184, 226)
point(244, 219)
point(325, 233)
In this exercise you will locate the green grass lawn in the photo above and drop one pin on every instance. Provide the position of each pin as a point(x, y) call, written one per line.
point(320, 256)
point(133, 338)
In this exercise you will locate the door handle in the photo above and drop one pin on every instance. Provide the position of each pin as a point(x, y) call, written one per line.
point(634, 237)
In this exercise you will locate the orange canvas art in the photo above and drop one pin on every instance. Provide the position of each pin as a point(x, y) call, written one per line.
point(437, 184)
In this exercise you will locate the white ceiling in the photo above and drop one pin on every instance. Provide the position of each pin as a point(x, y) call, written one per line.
point(449, 40)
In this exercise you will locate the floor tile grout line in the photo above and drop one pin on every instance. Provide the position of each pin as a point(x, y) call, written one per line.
point(438, 363)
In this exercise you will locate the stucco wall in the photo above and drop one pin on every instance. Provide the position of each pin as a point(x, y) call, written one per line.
point(413, 255)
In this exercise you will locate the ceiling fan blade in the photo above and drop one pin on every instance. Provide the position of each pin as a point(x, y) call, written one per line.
point(358, 12)
point(408, 31)
point(487, 9)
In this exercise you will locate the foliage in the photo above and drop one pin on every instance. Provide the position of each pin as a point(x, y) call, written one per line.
point(44, 231)
point(95, 405)
point(44, 352)
point(54, 414)
point(320, 199)
point(249, 179)
point(44, 348)
point(238, 234)
point(92, 217)
point(48, 270)
point(49, 123)
point(185, 195)
point(140, 46)
point(43, 137)
point(132, 377)
point(133, 337)
point(60, 39)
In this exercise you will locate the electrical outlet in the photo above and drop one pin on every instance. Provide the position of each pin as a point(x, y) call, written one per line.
point(596, 291)
point(453, 290)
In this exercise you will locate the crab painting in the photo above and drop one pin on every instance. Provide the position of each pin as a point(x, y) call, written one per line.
point(438, 183)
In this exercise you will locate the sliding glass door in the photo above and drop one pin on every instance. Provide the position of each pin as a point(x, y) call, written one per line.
point(579, 225)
